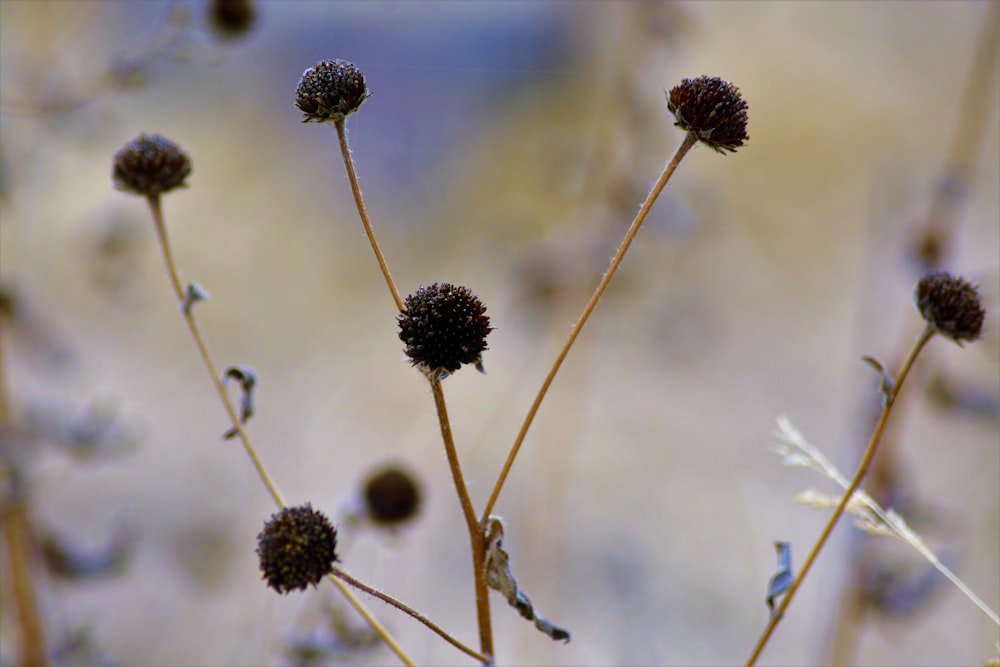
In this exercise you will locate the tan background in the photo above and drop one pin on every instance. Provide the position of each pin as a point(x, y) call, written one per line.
point(642, 512)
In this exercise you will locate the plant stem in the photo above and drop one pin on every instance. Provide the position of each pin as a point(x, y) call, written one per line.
point(352, 176)
point(15, 526)
point(388, 599)
point(161, 233)
point(866, 460)
point(476, 536)
point(689, 141)
point(369, 618)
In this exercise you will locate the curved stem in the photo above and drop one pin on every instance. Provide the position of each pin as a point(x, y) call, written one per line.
point(866, 460)
point(476, 536)
point(352, 176)
point(388, 599)
point(168, 258)
point(689, 141)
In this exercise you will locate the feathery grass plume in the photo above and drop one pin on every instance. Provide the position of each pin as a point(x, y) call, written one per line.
point(951, 304)
point(869, 516)
point(329, 91)
point(443, 327)
point(711, 109)
point(150, 165)
point(392, 496)
point(296, 548)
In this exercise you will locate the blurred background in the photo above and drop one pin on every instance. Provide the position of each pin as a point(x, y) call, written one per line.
point(506, 147)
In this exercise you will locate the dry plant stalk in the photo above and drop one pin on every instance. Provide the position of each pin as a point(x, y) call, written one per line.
point(950, 306)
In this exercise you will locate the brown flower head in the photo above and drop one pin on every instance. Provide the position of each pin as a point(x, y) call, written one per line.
point(296, 548)
point(712, 109)
point(392, 496)
point(951, 304)
point(231, 18)
point(443, 327)
point(330, 90)
point(149, 165)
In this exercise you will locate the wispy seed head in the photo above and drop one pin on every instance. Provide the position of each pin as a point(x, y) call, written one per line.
point(296, 548)
point(329, 91)
point(951, 304)
point(712, 109)
point(150, 165)
point(443, 327)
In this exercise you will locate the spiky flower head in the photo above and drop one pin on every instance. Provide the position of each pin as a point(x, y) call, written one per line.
point(443, 327)
point(296, 548)
point(150, 165)
point(329, 91)
point(712, 109)
point(951, 304)
point(392, 496)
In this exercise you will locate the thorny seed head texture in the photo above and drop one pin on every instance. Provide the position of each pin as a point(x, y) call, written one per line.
point(951, 304)
point(443, 327)
point(329, 91)
point(150, 165)
point(296, 548)
point(712, 109)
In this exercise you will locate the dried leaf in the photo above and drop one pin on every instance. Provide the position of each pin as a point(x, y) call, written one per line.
point(500, 578)
point(783, 578)
point(247, 378)
point(193, 295)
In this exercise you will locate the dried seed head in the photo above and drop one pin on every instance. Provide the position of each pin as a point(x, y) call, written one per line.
point(392, 496)
point(296, 548)
point(712, 109)
point(231, 18)
point(330, 90)
point(951, 304)
point(443, 327)
point(149, 165)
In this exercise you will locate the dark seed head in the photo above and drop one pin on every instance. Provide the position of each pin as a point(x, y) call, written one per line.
point(231, 18)
point(443, 327)
point(951, 304)
point(392, 496)
point(330, 90)
point(149, 165)
point(712, 109)
point(296, 548)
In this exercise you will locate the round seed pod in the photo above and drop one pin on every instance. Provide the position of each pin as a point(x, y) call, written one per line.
point(712, 109)
point(296, 548)
point(329, 91)
point(150, 165)
point(443, 327)
point(951, 304)
point(392, 496)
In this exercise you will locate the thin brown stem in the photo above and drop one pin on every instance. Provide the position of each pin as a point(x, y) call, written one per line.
point(161, 232)
point(199, 341)
point(388, 599)
point(17, 535)
point(866, 460)
point(370, 619)
point(15, 526)
point(689, 141)
point(476, 536)
point(352, 176)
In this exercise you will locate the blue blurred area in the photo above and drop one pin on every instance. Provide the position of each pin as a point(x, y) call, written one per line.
point(437, 71)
